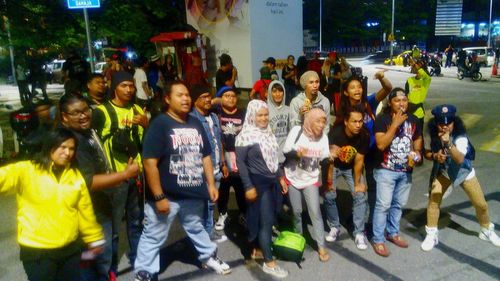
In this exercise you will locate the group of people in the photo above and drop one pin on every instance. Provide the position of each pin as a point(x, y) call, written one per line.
point(109, 159)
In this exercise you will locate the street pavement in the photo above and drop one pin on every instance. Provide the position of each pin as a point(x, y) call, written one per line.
point(460, 255)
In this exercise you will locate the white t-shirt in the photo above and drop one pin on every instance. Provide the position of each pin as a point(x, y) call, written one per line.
point(139, 77)
point(462, 144)
point(306, 172)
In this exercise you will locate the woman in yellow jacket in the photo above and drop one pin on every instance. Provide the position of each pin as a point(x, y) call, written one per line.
point(54, 210)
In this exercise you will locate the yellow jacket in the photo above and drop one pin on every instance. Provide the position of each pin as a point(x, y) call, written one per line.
point(51, 213)
point(418, 89)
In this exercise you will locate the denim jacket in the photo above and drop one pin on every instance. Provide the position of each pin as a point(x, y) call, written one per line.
point(457, 172)
point(218, 136)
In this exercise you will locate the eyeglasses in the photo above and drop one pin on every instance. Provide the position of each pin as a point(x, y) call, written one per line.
point(76, 113)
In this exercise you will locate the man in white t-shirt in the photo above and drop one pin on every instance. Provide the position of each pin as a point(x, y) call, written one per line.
point(143, 94)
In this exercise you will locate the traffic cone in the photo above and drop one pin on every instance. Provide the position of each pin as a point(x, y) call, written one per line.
point(494, 70)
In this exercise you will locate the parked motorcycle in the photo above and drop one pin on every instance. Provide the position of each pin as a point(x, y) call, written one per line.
point(472, 72)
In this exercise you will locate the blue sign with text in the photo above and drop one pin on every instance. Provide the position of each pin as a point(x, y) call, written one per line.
point(82, 4)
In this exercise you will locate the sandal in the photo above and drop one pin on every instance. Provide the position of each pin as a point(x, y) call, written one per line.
point(323, 255)
point(257, 255)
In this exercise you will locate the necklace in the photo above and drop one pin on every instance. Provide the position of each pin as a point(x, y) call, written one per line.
point(176, 118)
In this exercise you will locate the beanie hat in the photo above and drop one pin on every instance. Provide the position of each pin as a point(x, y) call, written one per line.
point(306, 76)
point(198, 90)
point(224, 89)
point(119, 77)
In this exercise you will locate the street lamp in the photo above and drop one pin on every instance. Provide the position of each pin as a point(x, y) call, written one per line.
point(320, 22)
point(489, 26)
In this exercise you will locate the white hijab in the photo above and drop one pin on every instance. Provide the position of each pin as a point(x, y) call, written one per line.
point(251, 134)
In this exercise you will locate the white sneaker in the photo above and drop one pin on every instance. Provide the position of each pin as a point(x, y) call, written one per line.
point(217, 238)
point(431, 239)
point(332, 235)
point(488, 234)
point(360, 241)
point(275, 271)
point(221, 222)
point(218, 266)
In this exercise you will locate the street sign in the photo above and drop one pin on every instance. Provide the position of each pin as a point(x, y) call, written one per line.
point(83, 4)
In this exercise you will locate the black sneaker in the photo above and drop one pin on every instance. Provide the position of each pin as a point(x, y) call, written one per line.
point(143, 276)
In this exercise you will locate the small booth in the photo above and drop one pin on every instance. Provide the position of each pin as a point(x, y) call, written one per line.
point(186, 51)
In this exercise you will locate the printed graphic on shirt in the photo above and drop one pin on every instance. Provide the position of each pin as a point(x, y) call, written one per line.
point(188, 142)
point(396, 157)
point(231, 126)
point(347, 154)
point(310, 161)
point(279, 123)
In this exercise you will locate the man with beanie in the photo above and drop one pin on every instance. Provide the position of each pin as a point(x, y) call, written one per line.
point(202, 103)
point(120, 125)
point(231, 122)
point(311, 97)
point(398, 136)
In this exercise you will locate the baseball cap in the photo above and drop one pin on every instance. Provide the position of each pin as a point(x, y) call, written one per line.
point(444, 114)
point(270, 60)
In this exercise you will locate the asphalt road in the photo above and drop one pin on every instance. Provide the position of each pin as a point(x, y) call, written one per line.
point(460, 255)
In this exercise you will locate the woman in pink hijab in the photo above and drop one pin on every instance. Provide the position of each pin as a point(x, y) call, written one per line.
point(305, 148)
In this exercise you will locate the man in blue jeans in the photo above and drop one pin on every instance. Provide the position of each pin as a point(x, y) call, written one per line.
point(202, 103)
point(349, 144)
point(180, 177)
point(399, 141)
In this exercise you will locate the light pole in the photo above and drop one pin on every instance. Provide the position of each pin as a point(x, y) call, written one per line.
point(392, 34)
point(489, 25)
point(320, 23)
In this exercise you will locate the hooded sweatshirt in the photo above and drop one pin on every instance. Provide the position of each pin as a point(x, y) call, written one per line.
point(279, 118)
point(320, 102)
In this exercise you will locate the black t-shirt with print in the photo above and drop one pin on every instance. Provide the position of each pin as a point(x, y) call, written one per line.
point(231, 125)
point(349, 146)
point(395, 156)
point(180, 148)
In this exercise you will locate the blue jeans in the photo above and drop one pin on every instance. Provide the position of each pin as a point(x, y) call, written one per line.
point(393, 189)
point(156, 227)
point(311, 196)
point(209, 213)
point(261, 215)
point(99, 268)
point(127, 201)
point(360, 208)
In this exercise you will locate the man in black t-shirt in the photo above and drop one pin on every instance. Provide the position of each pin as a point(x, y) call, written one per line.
point(349, 143)
point(179, 172)
point(399, 141)
point(231, 120)
point(226, 74)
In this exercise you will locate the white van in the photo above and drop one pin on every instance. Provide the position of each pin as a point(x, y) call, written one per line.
point(485, 55)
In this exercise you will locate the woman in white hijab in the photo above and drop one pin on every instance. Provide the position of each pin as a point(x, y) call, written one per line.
point(257, 160)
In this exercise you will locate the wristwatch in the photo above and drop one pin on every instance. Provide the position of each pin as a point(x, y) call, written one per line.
point(159, 197)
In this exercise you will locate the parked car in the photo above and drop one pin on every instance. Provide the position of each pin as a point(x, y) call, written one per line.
point(399, 59)
point(485, 55)
point(377, 57)
point(54, 71)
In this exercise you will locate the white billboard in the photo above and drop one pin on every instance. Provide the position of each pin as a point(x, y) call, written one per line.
point(249, 31)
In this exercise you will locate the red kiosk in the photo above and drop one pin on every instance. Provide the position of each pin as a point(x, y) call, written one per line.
point(188, 53)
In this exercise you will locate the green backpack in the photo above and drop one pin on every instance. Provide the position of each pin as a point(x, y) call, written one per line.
point(289, 246)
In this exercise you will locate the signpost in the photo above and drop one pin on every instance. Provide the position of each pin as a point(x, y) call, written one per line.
point(84, 4)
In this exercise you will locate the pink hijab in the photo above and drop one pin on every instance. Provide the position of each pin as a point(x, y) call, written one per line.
point(312, 116)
